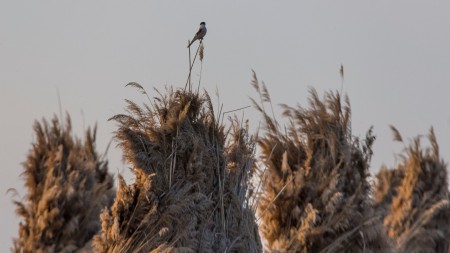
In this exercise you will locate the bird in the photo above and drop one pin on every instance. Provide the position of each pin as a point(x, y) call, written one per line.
point(200, 34)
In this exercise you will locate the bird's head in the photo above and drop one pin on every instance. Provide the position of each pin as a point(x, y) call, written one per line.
point(202, 23)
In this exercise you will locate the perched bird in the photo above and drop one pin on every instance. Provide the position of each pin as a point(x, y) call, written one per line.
point(200, 34)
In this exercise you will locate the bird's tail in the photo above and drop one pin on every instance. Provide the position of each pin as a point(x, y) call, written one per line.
point(191, 42)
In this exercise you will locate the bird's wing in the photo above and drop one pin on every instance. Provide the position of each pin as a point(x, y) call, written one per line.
point(199, 31)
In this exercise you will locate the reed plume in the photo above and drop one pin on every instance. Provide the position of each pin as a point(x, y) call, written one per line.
point(417, 200)
point(191, 180)
point(315, 189)
point(67, 185)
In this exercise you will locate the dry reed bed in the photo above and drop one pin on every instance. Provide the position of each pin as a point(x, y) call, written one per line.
point(415, 199)
point(67, 185)
point(193, 185)
point(315, 193)
point(189, 194)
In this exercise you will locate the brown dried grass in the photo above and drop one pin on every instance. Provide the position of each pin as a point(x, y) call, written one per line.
point(191, 181)
point(315, 185)
point(415, 198)
point(67, 186)
point(193, 188)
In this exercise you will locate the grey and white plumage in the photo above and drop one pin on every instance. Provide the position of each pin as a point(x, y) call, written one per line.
point(200, 34)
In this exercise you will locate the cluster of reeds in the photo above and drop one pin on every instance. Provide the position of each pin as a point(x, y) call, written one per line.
point(197, 188)
point(315, 188)
point(189, 194)
point(67, 186)
point(415, 199)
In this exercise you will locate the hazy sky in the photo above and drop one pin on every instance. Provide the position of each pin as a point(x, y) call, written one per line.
point(396, 56)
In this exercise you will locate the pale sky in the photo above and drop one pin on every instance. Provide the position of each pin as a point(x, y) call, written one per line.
point(396, 56)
